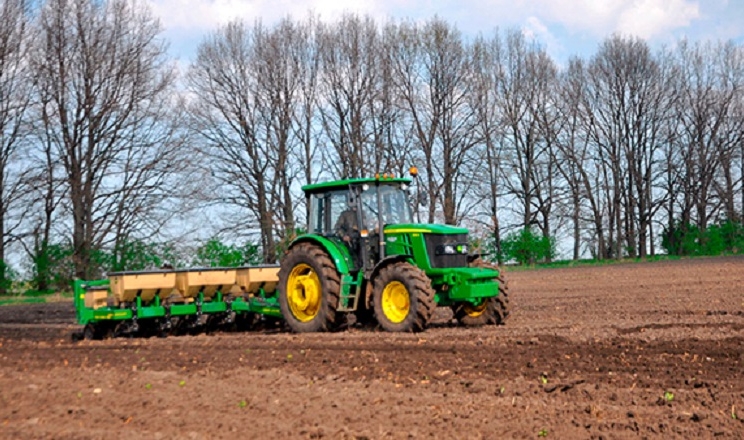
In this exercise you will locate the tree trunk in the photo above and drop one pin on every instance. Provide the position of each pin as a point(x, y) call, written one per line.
point(576, 218)
point(3, 266)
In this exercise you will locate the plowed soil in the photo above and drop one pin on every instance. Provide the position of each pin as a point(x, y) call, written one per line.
point(648, 350)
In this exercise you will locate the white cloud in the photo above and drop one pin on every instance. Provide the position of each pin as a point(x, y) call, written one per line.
point(535, 29)
point(642, 18)
point(562, 25)
point(581, 15)
point(206, 15)
point(649, 18)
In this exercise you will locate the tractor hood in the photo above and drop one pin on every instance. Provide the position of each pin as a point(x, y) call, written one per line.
point(423, 228)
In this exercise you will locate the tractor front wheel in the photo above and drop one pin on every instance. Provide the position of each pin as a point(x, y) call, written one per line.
point(490, 311)
point(309, 286)
point(402, 298)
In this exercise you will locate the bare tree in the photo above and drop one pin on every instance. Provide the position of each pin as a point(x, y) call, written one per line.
point(350, 74)
point(576, 166)
point(729, 124)
point(104, 81)
point(709, 133)
point(431, 66)
point(15, 98)
point(392, 140)
point(307, 55)
point(280, 55)
point(626, 110)
point(46, 191)
point(484, 99)
point(548, 183)
point(248, 83)
point(523, 90)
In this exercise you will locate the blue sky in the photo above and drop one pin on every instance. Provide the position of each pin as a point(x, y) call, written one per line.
point(565, 27)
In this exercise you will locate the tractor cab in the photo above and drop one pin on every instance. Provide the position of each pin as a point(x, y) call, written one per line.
point(354, 213)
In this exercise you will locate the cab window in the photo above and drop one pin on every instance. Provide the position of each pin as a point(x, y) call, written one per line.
point(325, 209)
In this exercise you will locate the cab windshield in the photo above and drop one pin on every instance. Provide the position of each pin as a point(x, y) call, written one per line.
point(394, 205)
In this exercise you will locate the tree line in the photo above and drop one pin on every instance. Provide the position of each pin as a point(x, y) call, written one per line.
point(104, 142)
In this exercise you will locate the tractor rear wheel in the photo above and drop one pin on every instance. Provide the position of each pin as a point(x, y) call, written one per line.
point(402, 298)
point(309, 286)
point(491, 311)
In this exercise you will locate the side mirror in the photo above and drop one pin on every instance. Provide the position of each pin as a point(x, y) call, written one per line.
point(422, 199)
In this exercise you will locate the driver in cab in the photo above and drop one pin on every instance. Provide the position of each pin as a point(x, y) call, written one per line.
point(347, 225)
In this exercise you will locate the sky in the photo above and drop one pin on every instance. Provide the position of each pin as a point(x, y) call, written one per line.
point(564, 27)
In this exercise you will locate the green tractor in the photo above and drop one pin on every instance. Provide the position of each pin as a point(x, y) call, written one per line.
point(364, 254)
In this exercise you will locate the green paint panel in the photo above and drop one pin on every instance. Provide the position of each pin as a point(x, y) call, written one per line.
point(151, 312)
point(470, 291)
point(214, 307)
point(257, 304)
point(423, 228)
point(466, 283)
point(269, 311)
point(240, 306)
point(183, 309)
point(109, 314)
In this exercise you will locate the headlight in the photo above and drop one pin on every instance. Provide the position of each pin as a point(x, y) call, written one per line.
point(452, 249)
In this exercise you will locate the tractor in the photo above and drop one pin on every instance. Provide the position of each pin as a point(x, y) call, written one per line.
point(364, 254)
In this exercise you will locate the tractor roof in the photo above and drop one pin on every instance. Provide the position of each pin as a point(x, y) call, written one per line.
point(342, 184)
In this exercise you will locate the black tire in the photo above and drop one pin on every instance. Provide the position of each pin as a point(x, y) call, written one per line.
point(305, 310)
point(492, 311)
point(245, 321)
point(409, 284)
point(90, 333)
point(97, 331)
point(503, 308)
point(365, 317)
point(364, 314)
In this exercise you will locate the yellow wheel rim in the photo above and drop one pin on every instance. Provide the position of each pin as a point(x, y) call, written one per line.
point(473, 310)
point(396, 302)
point(304, 293)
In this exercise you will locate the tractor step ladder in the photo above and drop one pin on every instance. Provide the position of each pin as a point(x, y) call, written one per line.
point(349, 294)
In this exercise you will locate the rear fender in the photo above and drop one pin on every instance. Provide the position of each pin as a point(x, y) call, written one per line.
point(341, 258)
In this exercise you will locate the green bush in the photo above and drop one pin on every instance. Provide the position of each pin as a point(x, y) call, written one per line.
point(527, 247)
point(140, 255)
point(215, 253)
point(7, 277)
point(724, 237)
point(53, 267)
point(681, 239)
